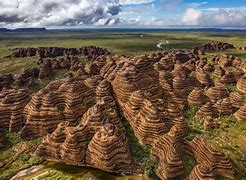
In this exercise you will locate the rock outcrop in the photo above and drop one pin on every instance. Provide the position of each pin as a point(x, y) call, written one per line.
point(214, 46)
point(237, 99)
point(241, 114)
point(106, 149)
point(197, 98)
point(62, 100)
point(216, 93)
point(169, 152)
point(6, 81)
point(28, 74)
point(215, 161)
point(12, 104)
point(241, 84)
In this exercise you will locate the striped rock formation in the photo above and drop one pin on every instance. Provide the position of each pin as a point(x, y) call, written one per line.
point(107, 150)
point(241, 114)
point(205, 154)
point(237, 73)
point(216, 93)
point(224, 106)
point(12, 104)
point(139, 97)
point(208, 68)
point(26, 75)
point(241, 84)
point(203, 77)
point(168, 151)
point(6, 81)
point(219, 72)
point(45, 70)
point(177, 100)
point(62, 100)
point(201, 172)
point(197, 97)
point(228, 78)
point(144, 118)
point(166, 80)
point(224, 60)
point(179, 83)
point(237, 99)
point(210, 123)
point(207, 110)
point(214, 46)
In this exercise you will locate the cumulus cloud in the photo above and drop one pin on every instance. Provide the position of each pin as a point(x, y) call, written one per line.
point(220, 17)
point(152, 22)
point(192, 16)
point(18, 13)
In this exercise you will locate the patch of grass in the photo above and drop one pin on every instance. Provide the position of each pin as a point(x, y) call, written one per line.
point(230, 137)
point(54, 174)
point(23, 160)
point(189, 164)
point(140, 152)
point(232, 88)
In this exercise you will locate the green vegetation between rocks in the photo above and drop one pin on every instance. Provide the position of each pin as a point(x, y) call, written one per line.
point(50, 175)
point(230, 137)
point(140, 152)
point(17, 155)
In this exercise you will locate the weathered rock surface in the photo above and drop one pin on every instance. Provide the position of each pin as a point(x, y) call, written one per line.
point(241, 84)
point(241, 114)
point(197, 98)
point(12, 104)
point(62, 100)
point(6, 81)
point(215, 161)
point(28, 74)
point(83, 116)
point(214, 46)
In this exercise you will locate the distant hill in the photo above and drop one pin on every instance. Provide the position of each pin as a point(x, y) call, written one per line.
point(23, 30)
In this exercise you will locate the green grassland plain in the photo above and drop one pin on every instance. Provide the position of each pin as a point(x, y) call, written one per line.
point(230, 137)
point(127, 43)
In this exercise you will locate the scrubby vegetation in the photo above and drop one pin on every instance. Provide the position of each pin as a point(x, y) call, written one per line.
point(140, 152)
point(230, 137)
point(50, 175)
point(128, 43)
point(17, 155)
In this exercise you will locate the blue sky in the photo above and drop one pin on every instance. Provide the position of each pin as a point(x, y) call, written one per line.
point(123, 13)
point(226, 13)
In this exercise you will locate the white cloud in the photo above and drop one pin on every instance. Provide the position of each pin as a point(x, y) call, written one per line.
point(152, 22)
point(16, 13)
point(215, 17)
point(192, 16)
